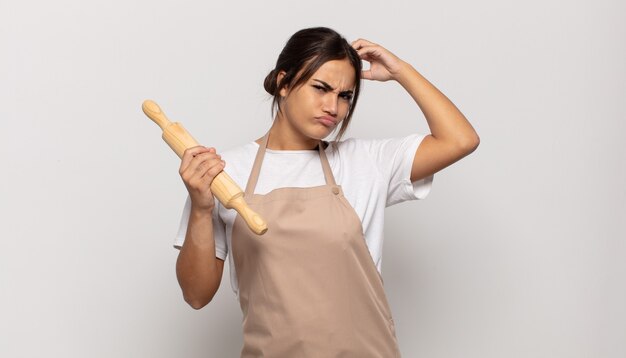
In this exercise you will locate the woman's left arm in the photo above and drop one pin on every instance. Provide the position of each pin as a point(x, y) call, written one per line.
point(452, 136)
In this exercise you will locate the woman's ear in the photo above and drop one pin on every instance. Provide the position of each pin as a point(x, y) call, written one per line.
point(283, 91)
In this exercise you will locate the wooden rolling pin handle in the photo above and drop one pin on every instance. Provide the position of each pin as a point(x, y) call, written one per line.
point(222, 187)
point(153, 111)
point(257, 224)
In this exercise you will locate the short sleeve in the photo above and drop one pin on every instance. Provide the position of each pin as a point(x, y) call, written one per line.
point(219, 231)
point(394, 159)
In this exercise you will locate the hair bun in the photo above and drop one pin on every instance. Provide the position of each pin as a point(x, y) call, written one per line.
point(270, 82)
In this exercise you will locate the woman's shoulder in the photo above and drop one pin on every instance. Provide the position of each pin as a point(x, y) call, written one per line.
point(374, 143)
point(352, 145)
point(349, 152)
point(377, 151)
point(344, 143)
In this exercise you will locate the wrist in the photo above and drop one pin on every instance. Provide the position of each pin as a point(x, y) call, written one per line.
point(201, 211)
point(405, 71)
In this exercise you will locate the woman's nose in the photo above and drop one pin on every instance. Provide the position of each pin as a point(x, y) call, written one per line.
point(330, 104)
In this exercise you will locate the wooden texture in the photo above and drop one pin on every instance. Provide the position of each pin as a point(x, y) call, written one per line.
point(223, 186)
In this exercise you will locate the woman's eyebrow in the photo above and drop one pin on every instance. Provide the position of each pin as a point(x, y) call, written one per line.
point(328, 87)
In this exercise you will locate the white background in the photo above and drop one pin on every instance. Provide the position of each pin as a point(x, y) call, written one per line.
point(518, 251)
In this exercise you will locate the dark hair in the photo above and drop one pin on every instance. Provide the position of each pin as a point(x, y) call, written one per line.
point(308, 50)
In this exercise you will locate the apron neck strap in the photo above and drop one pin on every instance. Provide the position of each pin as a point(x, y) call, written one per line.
point(328, 173)
point(256, 167)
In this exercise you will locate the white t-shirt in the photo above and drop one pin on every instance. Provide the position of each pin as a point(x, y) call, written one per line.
point(373, 173)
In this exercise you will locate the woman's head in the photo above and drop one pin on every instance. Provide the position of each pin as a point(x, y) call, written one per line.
point(305, 53)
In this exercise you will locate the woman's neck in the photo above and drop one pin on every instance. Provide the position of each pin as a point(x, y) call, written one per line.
point(284, 137)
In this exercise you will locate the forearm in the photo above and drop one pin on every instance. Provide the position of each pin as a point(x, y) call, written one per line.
point(445, 121)
point(196, 267)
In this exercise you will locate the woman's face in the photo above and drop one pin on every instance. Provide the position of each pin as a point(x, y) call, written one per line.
point(319, 105)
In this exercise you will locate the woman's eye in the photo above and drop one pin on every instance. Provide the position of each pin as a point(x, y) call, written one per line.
point(347, 96)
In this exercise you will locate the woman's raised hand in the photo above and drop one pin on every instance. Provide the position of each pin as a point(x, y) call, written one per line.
point(199, 166)
point(384, 65)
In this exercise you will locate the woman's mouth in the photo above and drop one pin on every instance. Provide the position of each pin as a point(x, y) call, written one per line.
point(327, 121)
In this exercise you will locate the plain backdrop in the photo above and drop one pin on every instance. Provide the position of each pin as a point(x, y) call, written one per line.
point(518, 251)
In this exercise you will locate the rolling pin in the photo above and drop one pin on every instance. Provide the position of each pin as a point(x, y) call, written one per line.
point(223, 186)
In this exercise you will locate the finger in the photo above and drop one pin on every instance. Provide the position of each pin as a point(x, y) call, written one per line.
point(195, 173)
point(195, 158)
point(366, 74)
point(201, 157)
point(359, 43)
point(189, 154)
point(203, 162)
point(367, 52)
point(214, 169)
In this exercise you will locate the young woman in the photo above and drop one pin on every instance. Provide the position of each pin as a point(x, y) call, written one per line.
point(311, 286)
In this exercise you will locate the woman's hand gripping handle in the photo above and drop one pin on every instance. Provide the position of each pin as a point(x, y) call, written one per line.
point(202, 171)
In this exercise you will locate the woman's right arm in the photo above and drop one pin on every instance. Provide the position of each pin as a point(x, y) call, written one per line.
point(198, 271)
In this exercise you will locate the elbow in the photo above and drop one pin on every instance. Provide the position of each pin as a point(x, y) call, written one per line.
point(197, 305)
point(469, 144)
point(198, 301)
